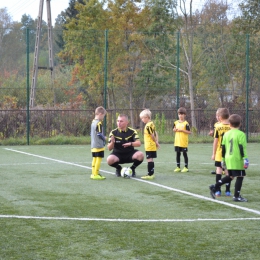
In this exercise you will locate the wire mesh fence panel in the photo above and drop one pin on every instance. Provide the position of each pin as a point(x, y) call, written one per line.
point(126, 71)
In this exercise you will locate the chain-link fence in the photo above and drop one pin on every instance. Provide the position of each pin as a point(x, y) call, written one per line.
point(125, 71)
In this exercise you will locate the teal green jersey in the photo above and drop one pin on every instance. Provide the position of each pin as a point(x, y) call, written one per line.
point(234, 149)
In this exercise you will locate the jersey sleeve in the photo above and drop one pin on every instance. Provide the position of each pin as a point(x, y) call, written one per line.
point(243, 144)
point(109, 137)
point(135, 136)
point(150, 129)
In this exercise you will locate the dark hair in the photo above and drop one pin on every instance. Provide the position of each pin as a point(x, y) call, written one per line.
point(182, 110)
point(235, 120)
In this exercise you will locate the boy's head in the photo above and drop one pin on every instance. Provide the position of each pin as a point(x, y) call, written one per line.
point(100, 110)
point(235, 120)
point(223, 113)
point(182, 111)
point(146, 113)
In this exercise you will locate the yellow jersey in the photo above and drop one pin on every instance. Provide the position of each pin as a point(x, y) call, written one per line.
point(181, 138)
point(219, 132)
point(149, 143)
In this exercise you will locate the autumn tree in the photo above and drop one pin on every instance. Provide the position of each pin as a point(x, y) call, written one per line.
point(63, 18)
point(216, 43)
point(5, 23)
point(159, 40)
point(246, 26)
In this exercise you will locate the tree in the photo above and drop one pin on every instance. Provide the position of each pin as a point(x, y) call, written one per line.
point(5, 24)
point(215, 44)
point(63, 18)
point(248, 24)
point(156, 79)
point(249, 21)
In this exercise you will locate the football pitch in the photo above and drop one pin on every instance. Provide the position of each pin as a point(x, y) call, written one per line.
point(51, 209)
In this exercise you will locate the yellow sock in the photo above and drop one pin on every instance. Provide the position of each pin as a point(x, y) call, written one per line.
point(93, 164)
point(97, 165)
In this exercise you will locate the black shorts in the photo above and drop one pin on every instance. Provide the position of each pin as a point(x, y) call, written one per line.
point(237, 173)
point(218, 164)
point(150, 154)
point(98, 154)
point(181, 149)
point(125, 157)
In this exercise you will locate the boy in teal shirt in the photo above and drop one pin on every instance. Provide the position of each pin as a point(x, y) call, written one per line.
point(234, 158)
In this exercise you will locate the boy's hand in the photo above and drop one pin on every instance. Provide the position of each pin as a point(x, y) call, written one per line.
point(246, 163)
point(223, 165)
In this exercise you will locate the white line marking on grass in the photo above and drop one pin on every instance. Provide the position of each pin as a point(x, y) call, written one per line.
point(15, 164)
point(47, 158)
point(147, 182)
point(124, 220)
point(200, 196)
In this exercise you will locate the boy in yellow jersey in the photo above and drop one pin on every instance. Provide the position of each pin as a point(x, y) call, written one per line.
point(219, 132)
point(98, 141)
point(150, 142)
point(211, 133)
point(234, 155)
point(182, 130)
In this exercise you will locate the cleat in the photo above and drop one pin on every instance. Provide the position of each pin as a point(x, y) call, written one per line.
point(148, 177)
point(97, 177)
point(212, 191)
point(133, 173)
point(118, 172)
point(213, 172)
point(185, 169)
point(228, 193)
point(177, 169)
point(218, 194)
point(240, 199)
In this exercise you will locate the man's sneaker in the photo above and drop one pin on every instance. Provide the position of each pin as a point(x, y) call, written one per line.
point(213, 172)
point(212, 191)
point(228, 193)
point(218, 194)
point(133, 173)
point(118, 172)
point(97, 177)
point(240, 199)
point(185, 169)
point(177, 169)
point(148, 177)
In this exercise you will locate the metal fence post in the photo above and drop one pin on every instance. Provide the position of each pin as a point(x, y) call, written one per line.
point(178, 72)
point(27, 88)
point(247, 82)
point(105, 77)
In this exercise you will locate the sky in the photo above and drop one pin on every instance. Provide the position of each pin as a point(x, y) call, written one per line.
point(16, 8)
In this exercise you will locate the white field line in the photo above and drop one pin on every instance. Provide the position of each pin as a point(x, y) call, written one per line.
point(123, 220)
point(147, 182)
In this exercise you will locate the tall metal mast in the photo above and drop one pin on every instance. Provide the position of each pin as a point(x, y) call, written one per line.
point(36, 51)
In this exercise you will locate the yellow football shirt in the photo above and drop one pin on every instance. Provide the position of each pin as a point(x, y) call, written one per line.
point(149, 143)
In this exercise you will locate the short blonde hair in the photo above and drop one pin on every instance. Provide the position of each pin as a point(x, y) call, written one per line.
point(223, 113)
point(146, 113)
point(100, 110)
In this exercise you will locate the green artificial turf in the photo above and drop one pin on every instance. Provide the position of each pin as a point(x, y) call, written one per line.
point(51, 209)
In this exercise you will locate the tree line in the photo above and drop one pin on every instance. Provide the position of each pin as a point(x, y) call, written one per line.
point(156, 51)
